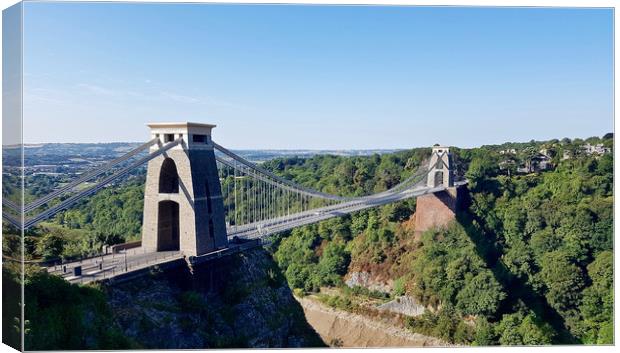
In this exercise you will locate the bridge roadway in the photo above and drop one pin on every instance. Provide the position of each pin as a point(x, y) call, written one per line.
point(276, 225)
point(108, 266)
point(111, 265)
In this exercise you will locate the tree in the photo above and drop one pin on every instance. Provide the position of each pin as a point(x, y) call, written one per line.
point(563, 279)
point(606, 333)
point(66, 316)
point(602, 231)
point(51, 246)
point(523, 328)
point(485, 334)
point(301, 276)
point(508, 330)
point(535, 332)
point(480, 168)
point(389, 174)
point(334, 263)
point(598, 301)
point(545, 241)
point(519, 259)
point(359, 222)
point(480, 296)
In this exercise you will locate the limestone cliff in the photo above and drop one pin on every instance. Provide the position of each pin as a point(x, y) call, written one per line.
point(240, 301)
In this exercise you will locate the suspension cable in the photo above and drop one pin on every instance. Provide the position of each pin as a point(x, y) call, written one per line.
point(91, 190)
point(88, 176)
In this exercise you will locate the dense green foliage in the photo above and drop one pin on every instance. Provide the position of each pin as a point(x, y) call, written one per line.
point(529, 260)
point(112, 216)
point(66, 316)
point(304, 267)
point(350, 176)
point(11, 308)
point(550, 235)
point(529, 263)
point(319, 255)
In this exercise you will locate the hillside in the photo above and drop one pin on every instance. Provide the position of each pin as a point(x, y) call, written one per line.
point(529, 259)
point(239, 301)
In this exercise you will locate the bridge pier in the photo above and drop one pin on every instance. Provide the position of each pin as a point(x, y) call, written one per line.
point(437, 210)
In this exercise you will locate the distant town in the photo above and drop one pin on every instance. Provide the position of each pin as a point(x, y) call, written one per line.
point(66, 159)
point(63, 159)
point(530, 159)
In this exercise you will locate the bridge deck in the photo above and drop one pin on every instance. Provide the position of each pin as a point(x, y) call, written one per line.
point(109, 266)
point(265, 228)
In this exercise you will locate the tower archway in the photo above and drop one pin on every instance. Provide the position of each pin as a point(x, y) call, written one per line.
point(438, 178)
point(168, 234)
point(440, 168)
point(168, 177)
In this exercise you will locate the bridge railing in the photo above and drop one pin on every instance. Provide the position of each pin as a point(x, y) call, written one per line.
point(122, 265)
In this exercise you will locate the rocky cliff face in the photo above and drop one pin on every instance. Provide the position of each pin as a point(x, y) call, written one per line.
point(405, 305)
point(240, 301)
point(368, 280)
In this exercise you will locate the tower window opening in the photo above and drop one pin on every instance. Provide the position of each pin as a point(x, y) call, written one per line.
point(199, 138)
point(168, 137)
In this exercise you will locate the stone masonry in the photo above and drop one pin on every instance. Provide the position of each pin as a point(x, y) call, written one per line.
point(440, 168)
point(435, 210)
point(199, 225)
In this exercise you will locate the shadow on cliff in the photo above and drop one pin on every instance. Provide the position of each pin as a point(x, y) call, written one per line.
point(234, 302)
point(516, 288)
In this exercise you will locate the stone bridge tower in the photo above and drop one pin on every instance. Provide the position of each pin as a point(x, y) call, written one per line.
point(441, 168)
point(183, 208)
point(438, 209)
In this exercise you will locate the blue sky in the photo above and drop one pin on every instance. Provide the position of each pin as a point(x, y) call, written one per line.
point(317, 77)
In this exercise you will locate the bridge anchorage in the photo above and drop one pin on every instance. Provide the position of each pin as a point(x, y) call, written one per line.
point(203, 201)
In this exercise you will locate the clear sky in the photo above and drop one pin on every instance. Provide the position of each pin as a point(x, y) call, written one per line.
point(317, 77)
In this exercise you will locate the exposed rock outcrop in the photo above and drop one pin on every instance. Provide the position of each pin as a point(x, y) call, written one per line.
point(366, 279)
point(405, 305)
